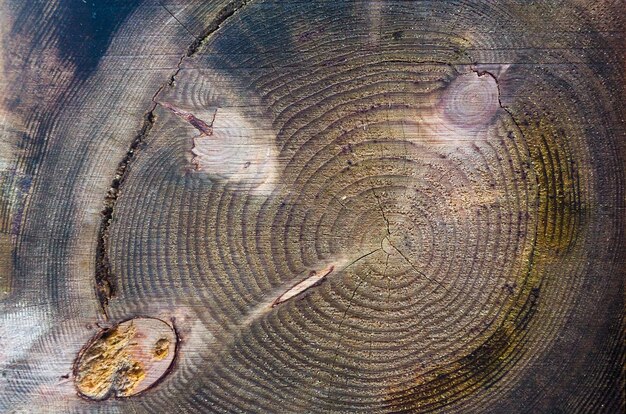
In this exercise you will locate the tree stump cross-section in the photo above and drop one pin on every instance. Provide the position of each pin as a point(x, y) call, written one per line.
point(263, 206)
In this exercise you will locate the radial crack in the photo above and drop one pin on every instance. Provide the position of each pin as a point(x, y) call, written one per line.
point(361, 257)
point(228, 11)
point(417, 270)
point(385, 276)
point(343, 318)
point(105, 287)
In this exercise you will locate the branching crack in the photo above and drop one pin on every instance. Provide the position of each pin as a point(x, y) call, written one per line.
point(424, 275)
point(105, 286)
point(505, 108)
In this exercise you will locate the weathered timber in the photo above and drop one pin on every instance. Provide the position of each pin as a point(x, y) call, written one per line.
point(264, 206)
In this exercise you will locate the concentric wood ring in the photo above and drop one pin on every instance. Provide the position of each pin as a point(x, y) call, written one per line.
point(342, 207)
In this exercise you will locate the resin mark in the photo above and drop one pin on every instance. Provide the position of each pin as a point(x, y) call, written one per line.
point(125, 359)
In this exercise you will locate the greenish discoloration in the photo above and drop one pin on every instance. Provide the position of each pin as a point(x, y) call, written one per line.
point(558, 220)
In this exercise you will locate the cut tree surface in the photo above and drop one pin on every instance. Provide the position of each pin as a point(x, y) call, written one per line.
point(312, 206)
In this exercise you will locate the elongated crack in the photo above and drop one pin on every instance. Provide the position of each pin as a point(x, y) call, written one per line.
point(388, 279)
point(206, 129)
point(337, 343)
point(105, 286)
point(176, 18)
point(382, 212)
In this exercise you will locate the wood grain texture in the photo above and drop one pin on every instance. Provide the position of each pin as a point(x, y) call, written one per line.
point(335, 206)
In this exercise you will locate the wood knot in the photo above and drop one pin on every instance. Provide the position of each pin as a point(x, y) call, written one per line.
point(126, 359)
